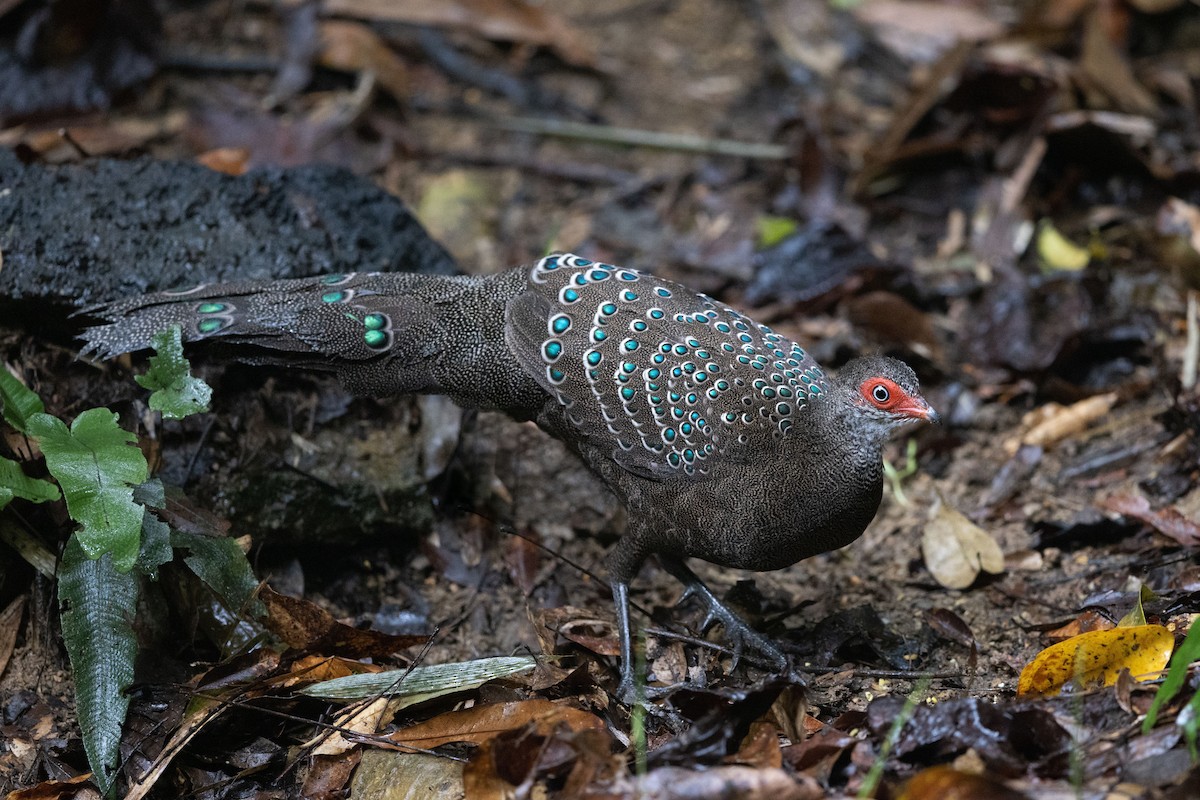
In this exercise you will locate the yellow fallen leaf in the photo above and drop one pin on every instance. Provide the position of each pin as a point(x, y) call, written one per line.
point(1058, 252)
point(1096, 659)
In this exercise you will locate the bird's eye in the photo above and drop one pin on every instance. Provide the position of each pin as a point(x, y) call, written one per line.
point(880, 393)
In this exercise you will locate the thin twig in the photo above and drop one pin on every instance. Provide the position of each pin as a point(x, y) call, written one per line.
point(1191, 353)
point(682, 142)
point(28, 547)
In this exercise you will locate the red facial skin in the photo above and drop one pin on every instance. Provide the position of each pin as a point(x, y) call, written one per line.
point(888, 396)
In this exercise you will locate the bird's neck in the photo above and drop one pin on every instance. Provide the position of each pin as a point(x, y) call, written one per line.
point(846, 444)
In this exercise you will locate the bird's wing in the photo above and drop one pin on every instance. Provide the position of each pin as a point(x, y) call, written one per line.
point(669, 379)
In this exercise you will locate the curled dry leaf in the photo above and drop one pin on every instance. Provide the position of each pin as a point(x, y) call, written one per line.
point(1086, 622)
point(584, 627)
point(481, 723)
point(750, 783)
point(946, 783)
point(354, 47)
point(506, 20)
point(1097, 658)
point(365, 720)
point(949, 625)
point(10, 626)
point(760, 748)
point(226, 160)
point(1167, 521)
point(956, 550)
point(1052, 423)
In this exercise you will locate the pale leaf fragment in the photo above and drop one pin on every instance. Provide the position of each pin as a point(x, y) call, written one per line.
point(361, 719)
point(1053, 423)
point(956, 550)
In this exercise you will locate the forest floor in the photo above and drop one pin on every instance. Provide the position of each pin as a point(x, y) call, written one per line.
point(1003, 197)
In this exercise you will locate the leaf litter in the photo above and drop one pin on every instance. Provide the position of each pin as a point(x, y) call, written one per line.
point(1068, 122)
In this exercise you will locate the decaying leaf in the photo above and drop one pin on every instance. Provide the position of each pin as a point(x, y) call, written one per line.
point(1057, 252)
point(354, 47)
point(956, 550)
point(1086, 622)
point(1167, 521)
point(76, 788)
point(481, 723)
point(1097, 658)
point(10, 625)
point(947, 783)
point(760, 748)
point(584, 627)
point(1052, 422)
point(314, 669)
point(303, 624)
point(510, 20)
point(362, 719)
point(385, 773)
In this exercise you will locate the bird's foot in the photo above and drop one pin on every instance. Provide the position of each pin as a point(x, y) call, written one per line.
point(742, 637)
point(629, 693)
point(633, 696)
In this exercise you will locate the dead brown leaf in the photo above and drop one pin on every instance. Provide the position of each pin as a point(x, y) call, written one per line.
point(950, 626)
point(505, 20)
point(817, 755)
point(1084, 623)
point(579, 625)
point(482, 723)
point(305, 626)
point(10, 625)
point(760, 748)
point(78, 788)
point(1167, 521)
point(354, 47)
point(329, 776)
point(481, 778)
point(946, 783)
point(226, 160)
point(315, 668)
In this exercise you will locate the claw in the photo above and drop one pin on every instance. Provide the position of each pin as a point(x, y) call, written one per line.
point(739, 635)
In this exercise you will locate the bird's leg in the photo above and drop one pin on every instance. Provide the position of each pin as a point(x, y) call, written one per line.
point(626, 689)
point(623, 564)
point(737, 631)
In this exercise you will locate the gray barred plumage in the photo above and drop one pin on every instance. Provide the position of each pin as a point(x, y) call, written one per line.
point(725, 440)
